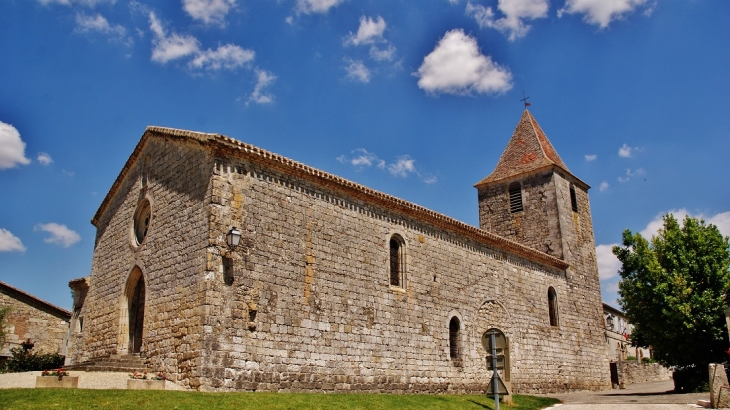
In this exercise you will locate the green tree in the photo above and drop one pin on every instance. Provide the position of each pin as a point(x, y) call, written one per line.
point(674, 291)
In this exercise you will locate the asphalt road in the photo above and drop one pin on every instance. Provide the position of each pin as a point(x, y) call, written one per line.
point(640, 396)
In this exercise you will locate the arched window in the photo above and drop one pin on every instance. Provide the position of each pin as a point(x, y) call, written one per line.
point(454, 336)
point(573, 199)
point(515, 197)
point(397, 261)
point(553, 306)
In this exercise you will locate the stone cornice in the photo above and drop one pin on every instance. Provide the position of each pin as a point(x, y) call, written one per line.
point(548, 168)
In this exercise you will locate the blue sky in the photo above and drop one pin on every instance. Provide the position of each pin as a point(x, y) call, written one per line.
point(415, 99)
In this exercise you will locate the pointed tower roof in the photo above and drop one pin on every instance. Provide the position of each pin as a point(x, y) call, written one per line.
point(528, 150)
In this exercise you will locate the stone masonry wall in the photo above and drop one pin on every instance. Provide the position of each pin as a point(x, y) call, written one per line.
point(174, 176)
point(28, 321)
point(310, 306)
point(548, 223)
point(579, 249)
point(537, 226)
point(634, 372)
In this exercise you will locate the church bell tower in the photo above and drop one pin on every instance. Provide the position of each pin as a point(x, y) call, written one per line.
point(532, 198)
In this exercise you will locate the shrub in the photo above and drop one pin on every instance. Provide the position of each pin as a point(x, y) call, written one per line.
point(648, 360)
point(28, 360)
point(631, 358)
point(690, 379)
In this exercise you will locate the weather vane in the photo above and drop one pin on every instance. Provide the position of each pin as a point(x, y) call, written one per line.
point(524, 100)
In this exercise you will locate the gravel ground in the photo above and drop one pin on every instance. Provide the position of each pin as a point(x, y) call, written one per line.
point(87, 380)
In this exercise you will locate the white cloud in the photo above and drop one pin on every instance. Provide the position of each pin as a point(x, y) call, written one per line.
point(602, 12)
point(60, 234)
point(385, 54)
point(370, 31)
point(263, 80)
point(608, 263)
point(97, 23)
point(403, 166)
point(361, 159)
point(228, 56)
point(316, 6)
point(455, 66)
point(44, 158)
point(630, 174)
point(88, 3)
point(209, 11)
point(721, 220)
point(12, 148)
point(625, 151)
point(591, 157)
point(603, 187)
point(515, 11)
point(10, 242)
point(170, 47)
point(357, 71)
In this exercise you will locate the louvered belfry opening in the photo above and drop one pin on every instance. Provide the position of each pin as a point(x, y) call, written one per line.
point(573, 199)
point(515, 197)
point(454, 327)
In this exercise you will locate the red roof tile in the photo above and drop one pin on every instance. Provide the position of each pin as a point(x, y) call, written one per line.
point(528, 150)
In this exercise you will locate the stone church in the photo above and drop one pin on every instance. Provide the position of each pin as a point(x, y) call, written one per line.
point(335, 286)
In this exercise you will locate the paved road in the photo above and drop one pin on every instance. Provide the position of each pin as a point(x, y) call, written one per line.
point(640, 396)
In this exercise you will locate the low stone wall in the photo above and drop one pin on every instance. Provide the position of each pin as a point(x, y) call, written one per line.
point(635, 372)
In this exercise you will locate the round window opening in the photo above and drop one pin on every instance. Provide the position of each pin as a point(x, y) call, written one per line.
point(142, 221)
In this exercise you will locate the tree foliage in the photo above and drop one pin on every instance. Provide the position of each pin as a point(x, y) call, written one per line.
point(673, 290)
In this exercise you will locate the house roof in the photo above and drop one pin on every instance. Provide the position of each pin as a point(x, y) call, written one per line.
point(528, 151)
point(34, 301)
point(291, 167)
point(615, 311)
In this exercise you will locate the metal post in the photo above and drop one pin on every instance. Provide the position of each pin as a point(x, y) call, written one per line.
point(495, 375)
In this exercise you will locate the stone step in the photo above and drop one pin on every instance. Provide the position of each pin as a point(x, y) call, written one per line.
point(128, 363)
point(108, 368)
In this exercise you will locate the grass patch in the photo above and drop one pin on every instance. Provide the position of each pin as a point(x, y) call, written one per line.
point(140, 399)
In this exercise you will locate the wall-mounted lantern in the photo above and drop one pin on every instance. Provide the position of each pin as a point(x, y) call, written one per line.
point(609, 321)
point(233, 238)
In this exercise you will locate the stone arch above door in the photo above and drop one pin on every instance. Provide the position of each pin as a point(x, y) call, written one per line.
point(132, 308)
point(492, 313)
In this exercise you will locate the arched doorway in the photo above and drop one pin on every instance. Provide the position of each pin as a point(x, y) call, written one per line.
point(132, 320)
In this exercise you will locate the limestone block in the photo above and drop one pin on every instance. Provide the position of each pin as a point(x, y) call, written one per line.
point(719, 387)
point(53, 382)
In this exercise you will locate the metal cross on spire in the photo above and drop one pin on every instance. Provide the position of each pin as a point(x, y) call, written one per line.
point(524, 100)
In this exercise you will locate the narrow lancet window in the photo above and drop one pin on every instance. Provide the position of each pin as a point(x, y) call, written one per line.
point(397, 262)
point(515, 197)
point(553, 306)
point(573, 199)
point(454, 330)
